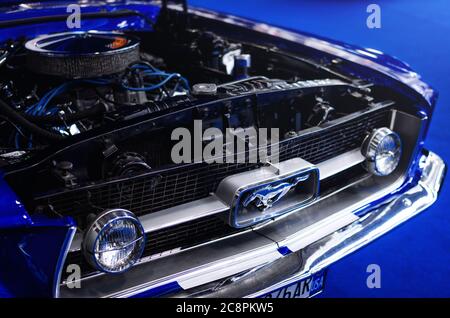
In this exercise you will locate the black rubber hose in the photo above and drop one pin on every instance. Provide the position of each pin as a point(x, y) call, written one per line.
point(68, 118)
point(17, 118)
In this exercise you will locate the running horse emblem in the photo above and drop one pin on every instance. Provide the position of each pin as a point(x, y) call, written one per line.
point(264, 198)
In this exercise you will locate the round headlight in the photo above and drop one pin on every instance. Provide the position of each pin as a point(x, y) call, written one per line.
point(382, 149)
point(114, 241)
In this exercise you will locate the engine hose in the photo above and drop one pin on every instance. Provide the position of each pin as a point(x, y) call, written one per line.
point(68, 118)
point(17, 118)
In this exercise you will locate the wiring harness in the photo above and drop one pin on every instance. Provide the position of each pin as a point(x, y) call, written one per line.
point(53, 121)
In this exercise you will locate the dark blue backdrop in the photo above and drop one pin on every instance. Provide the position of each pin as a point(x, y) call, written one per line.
point(414, 258)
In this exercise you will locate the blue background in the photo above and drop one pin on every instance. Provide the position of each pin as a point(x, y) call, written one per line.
point(415, 257)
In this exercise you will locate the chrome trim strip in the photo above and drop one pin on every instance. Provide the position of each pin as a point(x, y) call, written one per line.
point(183, 213)
point(340, 163)
point(61, 259)
point(394, 116)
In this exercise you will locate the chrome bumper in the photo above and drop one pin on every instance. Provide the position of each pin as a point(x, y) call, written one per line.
point(290, 248)
point(322, 253)
point(372, 225)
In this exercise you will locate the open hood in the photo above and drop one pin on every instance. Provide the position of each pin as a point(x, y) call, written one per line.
point(31, 18)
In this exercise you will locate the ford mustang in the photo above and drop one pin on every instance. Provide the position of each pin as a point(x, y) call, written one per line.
point(103, 195)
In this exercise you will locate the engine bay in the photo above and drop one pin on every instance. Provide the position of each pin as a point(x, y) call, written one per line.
point(57, 86)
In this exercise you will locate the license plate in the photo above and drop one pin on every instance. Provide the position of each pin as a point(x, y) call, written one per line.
point(304, 288)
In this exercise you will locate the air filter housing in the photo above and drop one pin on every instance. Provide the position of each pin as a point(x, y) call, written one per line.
point(82, 54)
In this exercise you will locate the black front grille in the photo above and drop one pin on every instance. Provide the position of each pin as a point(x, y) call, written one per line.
point(166, 189)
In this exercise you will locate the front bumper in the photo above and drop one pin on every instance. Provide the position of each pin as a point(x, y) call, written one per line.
point(322, 253)
point(289, 249)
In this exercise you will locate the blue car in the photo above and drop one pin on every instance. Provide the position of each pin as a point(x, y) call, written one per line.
point(153, 149)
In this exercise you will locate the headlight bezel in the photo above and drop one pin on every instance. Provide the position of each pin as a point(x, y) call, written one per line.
point(371, 147)
point(103, 222)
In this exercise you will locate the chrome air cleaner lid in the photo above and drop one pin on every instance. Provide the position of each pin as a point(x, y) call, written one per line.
point(82, 54)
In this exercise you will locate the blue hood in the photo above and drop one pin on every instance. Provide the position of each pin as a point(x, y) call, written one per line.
point(29, 19)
